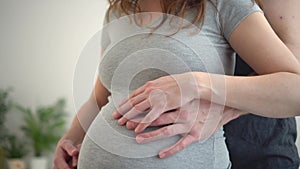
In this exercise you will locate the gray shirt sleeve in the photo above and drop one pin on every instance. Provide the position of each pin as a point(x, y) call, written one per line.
point(105, 35)
point(105, 40)
point(233, 12)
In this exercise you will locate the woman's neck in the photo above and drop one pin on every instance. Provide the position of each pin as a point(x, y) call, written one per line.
point(150, 5)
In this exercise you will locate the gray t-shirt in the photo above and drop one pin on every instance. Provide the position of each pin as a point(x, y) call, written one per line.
point(133, 56)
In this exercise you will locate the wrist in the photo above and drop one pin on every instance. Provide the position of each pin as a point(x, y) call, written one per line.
point(242, 113)
point(73, 138)
point(211, 87)
point(202, 86)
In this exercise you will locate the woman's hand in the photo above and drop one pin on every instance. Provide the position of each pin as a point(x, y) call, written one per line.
point(66, 154)
point(158, 96)
point(195, 121)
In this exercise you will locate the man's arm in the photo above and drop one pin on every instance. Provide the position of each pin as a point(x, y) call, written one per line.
point(284, 17)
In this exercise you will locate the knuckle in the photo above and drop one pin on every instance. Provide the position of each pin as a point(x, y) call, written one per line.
point(55, 161)
point(204, 118)
point(137, 108)
point(132, 101)
point(62, 142)
point(174, 117)
point(157, 121)
point(162, 102)
point(130, 125)
point(65, 142)
point(185, 116)
point(149, 83)
point(149, 90)
point(181, 146)
point(166, 131)
point(196, 135)
point(132, 95)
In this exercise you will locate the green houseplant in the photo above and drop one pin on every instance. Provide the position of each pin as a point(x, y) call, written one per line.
point(15, 151)
point(14, 147)
point(5, 105)
point(43, 128)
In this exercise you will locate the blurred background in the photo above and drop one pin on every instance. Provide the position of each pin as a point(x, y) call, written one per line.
point(41, 41)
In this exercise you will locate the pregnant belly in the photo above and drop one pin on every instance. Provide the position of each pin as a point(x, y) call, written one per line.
point(108, 145)
point(118, 140)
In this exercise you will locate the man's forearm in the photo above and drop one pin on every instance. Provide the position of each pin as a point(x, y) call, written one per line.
point(284, 17)
point(249, 93)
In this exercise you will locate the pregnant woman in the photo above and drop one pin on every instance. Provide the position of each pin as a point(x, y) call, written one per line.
point(224, 24)
point(254, 141)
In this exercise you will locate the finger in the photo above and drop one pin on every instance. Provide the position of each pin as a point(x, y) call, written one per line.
point(62, 164)
point(70, 148)
point(136, 92)
point(135, 111)
point(179, 146)
point(166, 118)
point(60, 160)
point(128, 106)
point(122, 110)
point(176, 116)
point(201, 130)
point(156, 111)
point(78, 146)
point(210, 126)
point(132, 95)
point(131, 125)
point(162, 133)
point(74, 161)
point(75, 158)
point(116, 115)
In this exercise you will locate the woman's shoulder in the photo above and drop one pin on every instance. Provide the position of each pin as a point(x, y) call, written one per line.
point(110, 16)
point(233, 12)
point(234, 2)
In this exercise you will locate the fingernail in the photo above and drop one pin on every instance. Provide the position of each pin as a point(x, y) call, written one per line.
point(114, 114)
point(140, 139)
point(121, 122)
point(139, 128)
point(162, 155)
point(130, 126)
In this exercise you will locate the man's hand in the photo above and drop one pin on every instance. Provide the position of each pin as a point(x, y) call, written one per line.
point(195, 121)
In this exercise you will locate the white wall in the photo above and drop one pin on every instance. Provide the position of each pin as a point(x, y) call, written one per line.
point(39, 46)
point(40, 43)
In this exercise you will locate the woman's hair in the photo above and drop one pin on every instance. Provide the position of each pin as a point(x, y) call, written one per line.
point(173, 7)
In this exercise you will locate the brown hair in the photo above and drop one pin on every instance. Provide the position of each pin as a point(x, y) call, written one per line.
point(173, 7)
